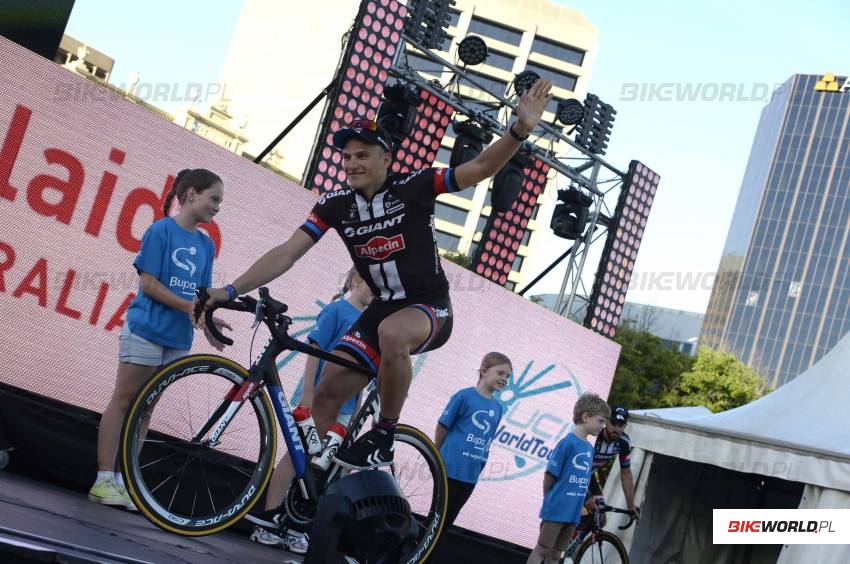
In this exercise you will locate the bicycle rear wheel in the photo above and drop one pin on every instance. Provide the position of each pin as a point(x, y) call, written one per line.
point(180, 481)
point(418, 468)
point(605, 548)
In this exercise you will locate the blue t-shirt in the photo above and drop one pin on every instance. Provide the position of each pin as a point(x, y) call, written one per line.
point(181, 260)
point(333, 322)
point(570, 464)
point(471, 421)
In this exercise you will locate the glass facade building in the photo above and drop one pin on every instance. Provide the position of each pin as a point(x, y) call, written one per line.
point(781, 298)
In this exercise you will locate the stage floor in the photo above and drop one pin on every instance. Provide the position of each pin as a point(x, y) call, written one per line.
point(45, 523)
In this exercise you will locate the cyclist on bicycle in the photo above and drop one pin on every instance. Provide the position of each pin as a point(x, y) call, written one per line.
point(387, 223)
point(613, 441)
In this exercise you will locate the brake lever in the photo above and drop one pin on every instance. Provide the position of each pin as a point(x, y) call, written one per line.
point(258, 314)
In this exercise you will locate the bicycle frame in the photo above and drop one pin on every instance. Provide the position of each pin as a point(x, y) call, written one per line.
point(264, 371)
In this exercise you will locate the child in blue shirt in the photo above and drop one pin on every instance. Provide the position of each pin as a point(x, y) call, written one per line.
point(566, 479)
point(332, 324)
point(175, 257)
point(467, 427)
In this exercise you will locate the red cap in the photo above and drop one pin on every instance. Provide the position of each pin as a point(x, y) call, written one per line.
point(338, 428)
point(301, 413)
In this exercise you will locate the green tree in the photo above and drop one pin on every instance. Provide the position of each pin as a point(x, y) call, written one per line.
point(458, 258)
point(648, 370)
point(717, 380)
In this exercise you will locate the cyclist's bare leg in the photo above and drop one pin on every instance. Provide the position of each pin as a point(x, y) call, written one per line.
point(283, 474)
point(336, 386)
point(129, 379)
point(398, 335)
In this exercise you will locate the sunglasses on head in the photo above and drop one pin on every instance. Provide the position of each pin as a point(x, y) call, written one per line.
point(366, 124)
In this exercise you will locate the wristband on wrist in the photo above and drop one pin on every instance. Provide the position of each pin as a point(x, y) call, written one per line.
point(516, 135)
point(231, 292)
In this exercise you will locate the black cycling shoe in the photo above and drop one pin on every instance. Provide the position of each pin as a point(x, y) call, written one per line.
point(372, 450)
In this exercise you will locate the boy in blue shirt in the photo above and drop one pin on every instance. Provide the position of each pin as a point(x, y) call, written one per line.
point(566, 480)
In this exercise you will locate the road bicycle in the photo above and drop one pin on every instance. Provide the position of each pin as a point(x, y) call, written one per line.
point(592, 545)
point(199, 443)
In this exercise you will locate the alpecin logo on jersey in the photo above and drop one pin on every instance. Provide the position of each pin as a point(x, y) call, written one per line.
point(379, 247)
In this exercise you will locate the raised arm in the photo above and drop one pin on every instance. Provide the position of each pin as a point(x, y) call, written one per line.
point(529, 110)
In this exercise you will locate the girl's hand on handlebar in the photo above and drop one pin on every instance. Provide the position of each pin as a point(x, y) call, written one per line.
point(216, 295)
point(220, 324)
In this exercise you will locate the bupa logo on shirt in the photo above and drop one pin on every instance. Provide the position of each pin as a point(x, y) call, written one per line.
point(582, 464)
point(180, 257)
point(480, 420)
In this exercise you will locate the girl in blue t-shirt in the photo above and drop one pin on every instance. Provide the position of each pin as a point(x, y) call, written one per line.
point(467, 427)
point(175, 257)
point(332, 324)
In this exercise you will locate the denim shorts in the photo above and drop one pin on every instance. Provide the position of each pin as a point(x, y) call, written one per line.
point(133, 349)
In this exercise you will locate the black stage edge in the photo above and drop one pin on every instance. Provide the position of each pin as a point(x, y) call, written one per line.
point(55, 443)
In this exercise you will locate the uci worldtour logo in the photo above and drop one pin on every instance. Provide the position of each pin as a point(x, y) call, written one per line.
point(185, 263)
point(530, 429)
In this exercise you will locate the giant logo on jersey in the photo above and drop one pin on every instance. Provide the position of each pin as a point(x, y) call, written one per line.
point(380, 247)
point(379, 226)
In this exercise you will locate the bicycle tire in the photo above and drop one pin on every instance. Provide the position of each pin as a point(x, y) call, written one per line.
point(240, 464)
point(601, 538)
point(432, 522)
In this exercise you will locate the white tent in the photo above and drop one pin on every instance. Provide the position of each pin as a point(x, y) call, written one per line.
point(790, 448)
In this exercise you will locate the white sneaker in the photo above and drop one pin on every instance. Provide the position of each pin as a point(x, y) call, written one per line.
point(128, 501)
point(106, 492)
point(292, 541)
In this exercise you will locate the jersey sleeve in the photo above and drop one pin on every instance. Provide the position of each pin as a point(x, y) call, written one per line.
point(428, 183)
point(625, 451)
point(320, 219)
point(149, 259)
point(452, 411)
point(326, 327)
point(444, 181)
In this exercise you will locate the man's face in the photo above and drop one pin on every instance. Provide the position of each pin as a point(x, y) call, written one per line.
point(365, 164)
point(614, 429)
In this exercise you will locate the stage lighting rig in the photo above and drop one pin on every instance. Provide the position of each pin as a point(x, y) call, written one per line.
point(470, 139)
point(427, 20)
point(472, 50)
point(569, 112)
point(397, 113)
point(508, 182)
point(570, 217)
point(524, 81)
point(594, 130)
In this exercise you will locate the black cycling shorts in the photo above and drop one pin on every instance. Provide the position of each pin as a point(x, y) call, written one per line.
point(361, 341)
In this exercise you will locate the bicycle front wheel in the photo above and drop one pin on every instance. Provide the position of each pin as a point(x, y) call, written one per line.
point(602, 548)
point(179, 478)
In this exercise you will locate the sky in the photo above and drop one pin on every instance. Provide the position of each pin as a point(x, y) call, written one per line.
point(699, 147)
